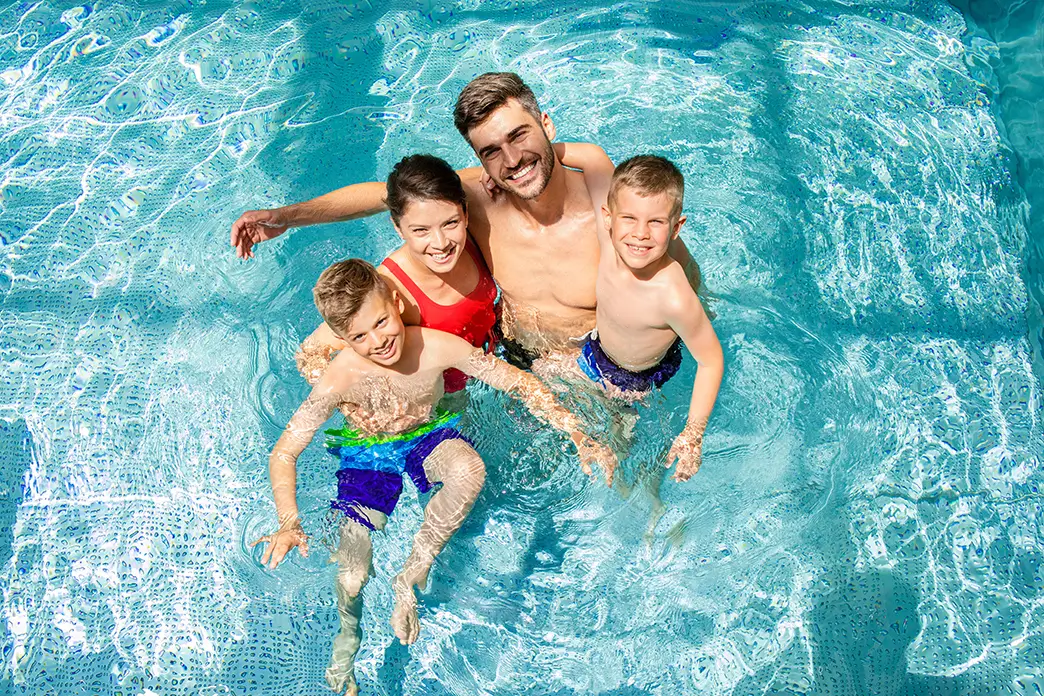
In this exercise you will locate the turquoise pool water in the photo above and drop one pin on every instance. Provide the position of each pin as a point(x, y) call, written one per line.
point(863, 199)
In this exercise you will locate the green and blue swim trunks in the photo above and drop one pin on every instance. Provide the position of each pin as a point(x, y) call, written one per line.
point(370, 474)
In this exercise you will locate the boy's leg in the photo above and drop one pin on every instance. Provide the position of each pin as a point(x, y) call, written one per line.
point(354, 558)
point(459, 468)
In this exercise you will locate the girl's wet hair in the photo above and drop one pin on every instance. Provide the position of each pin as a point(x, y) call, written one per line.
point(422, 178)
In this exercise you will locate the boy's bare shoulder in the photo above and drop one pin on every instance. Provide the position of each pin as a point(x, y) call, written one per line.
point(345, 370)
point(434, 338)
point(441, 347)
point(678, 295)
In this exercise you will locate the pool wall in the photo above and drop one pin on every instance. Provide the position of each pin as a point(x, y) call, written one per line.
point(1017, 30)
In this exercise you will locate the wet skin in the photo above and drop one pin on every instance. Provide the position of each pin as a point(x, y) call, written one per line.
point(387, 380)
point(538, 236)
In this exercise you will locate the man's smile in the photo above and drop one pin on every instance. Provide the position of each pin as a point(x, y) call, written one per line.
point(521, 173)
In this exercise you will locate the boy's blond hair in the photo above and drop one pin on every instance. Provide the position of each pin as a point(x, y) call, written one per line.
point(343, 288)
point(649, 175)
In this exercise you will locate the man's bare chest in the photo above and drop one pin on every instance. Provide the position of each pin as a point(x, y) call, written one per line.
point(569, 247)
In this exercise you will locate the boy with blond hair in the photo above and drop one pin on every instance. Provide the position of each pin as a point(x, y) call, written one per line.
point(646, 307)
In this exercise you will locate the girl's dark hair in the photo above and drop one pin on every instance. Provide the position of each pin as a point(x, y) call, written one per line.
point(422, 178)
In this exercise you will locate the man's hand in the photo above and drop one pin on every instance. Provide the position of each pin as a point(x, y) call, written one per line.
point(286, 538)
point(591, 452)
point(688, 451)
point(254, 227)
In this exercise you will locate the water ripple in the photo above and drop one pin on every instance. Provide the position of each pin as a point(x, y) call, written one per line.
point(867, 510)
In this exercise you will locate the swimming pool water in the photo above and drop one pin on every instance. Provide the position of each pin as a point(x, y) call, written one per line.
point(867, 520)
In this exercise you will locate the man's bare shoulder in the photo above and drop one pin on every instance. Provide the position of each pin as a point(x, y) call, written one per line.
point(479, 198)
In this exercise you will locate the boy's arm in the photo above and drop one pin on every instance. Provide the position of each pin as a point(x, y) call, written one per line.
point(282, 470)
point(316, 352)
point(540, 401)
point(680, 253)
point(686, 317)
point(598, 175)
point(593, 162)
point(598, 172)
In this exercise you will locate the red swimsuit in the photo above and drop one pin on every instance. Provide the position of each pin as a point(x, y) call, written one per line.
point(472, 318)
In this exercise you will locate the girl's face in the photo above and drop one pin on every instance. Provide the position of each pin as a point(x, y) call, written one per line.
point(434, 232)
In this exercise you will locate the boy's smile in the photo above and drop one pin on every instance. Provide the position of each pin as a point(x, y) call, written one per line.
point(376, 330)
point(641, 227)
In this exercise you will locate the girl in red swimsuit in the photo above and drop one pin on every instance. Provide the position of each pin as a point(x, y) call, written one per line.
point(438, 271)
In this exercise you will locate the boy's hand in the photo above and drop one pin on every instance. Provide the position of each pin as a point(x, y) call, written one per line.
point(688, 451)
point(589, 451)
point(254, 227)
point(489, 186)
point(287, 537)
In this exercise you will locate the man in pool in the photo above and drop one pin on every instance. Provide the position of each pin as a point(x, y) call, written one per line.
point(386, 382)
point(539, 239)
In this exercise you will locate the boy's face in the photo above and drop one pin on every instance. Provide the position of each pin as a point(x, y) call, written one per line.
point(434, 233)
point(641, 227)
point(515, 149)
point(376, 332)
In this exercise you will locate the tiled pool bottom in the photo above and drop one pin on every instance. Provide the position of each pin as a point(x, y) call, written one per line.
point(866, 521)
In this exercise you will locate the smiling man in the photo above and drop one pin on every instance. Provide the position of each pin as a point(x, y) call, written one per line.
point(538, 233)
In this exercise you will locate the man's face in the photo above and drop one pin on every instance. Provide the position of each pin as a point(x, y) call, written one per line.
point(515, 149)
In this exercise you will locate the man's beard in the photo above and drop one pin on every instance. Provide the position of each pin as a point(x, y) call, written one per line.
point(544, 170)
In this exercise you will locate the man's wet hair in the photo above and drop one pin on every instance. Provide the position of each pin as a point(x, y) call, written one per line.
point(649, 175)
point(487, 93)
point(343, 288)
point(422, 178)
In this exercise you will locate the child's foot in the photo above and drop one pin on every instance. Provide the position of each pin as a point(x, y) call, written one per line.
point(342, 682)
point(655, 515)
point(404, 618)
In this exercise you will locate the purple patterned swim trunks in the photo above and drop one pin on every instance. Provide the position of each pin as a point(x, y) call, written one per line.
point(601, 369)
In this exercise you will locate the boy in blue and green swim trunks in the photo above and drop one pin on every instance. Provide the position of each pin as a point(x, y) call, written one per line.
point(370, 475)
point(387, 386)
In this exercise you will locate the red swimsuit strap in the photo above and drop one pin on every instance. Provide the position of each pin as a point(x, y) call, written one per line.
point(427, 306)
point(401, 276)
point(485, 290)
